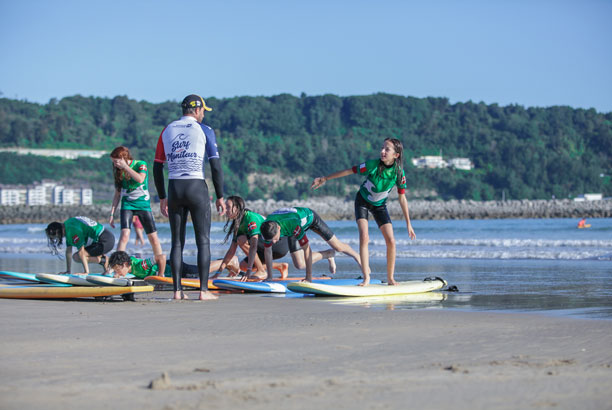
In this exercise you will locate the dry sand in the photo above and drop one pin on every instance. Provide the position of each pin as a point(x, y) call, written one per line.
point(248, 351)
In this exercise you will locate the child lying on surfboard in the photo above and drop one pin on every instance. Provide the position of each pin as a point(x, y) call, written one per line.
point(121, 264)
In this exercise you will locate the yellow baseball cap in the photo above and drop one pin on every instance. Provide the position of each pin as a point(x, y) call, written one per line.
point(194, 101)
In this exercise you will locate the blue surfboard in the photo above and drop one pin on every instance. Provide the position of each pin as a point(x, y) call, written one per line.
point(279, 286)
point(29, 277)
point(19, 275)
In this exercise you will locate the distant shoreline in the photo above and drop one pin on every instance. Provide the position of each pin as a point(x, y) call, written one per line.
point(332, 208)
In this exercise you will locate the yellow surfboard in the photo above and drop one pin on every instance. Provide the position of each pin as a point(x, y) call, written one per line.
point(59, 292)
point(190, 283)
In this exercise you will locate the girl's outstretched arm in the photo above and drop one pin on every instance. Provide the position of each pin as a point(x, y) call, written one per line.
point(404, 205)
point(318, 182)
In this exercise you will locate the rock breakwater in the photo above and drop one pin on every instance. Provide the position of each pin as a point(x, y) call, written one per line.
point(332, 208)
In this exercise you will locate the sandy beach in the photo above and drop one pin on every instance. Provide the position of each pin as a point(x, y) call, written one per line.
point(249, 351)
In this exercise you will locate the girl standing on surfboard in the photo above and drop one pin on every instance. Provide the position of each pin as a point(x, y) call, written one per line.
point(132, 188)
point(381, 176)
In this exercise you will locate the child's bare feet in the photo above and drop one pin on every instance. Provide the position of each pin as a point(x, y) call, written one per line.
point(283, 268)
point(332, 265)
point(233, 267)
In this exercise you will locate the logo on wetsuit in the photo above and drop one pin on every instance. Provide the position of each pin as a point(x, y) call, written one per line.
point(304, 239)
point(75, 239)
point(182, 145)
point(180, 149)
point(252, 226)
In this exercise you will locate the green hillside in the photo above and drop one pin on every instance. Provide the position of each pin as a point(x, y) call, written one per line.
point(274, 146)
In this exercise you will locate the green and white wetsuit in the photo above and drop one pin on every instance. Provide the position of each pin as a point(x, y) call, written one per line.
point(375, 189)
point(134, 195)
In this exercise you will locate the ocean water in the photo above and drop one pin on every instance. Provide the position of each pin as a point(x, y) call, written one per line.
point(516, 265)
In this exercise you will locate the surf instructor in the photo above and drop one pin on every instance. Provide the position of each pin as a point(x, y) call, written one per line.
point(183, 145)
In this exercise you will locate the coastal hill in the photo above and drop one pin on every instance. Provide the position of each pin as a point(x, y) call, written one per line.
point(272, 147)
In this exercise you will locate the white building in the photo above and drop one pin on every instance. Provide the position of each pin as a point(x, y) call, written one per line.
point(48, 185)
point(86, 196)
point(436, 161)
point(45, 194)
point(63, 153)
point(12, 195)
point(589, 197)
point(461, 163)
point(429, 161)
point(72, 196)
point(57, 194)
point(36, 195)
point(69, 197)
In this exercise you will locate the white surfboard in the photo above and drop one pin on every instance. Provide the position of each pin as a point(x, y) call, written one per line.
point(101, 280)
point(76, 280)
point(402, 288)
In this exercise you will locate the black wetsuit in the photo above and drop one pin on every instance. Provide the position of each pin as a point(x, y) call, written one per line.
point(184, 144)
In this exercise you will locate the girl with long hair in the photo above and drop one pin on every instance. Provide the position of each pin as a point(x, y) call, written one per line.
point(132, 188)
point(89, 237)
point(381, 176)
point(243, 226)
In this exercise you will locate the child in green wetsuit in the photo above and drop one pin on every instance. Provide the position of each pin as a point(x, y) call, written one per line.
point(292, 223)
point(131, 188)
point(381, 176)
point(244, 227)
point(121, 263)
point(88, 236)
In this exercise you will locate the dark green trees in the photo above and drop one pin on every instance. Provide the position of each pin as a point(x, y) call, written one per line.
point(527, 153)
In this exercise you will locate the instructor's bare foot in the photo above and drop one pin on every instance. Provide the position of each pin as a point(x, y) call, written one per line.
point(365, 282)
point(179, 295)
point(206, 295)
point(332, 265)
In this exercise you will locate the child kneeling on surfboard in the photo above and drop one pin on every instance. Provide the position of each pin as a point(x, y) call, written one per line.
point(121, 264)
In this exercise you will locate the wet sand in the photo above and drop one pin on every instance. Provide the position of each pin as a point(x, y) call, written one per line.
point(248, 351)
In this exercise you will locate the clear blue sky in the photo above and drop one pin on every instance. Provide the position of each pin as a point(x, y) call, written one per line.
point(528, 52)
